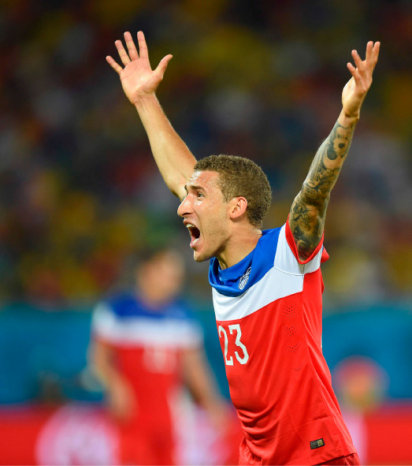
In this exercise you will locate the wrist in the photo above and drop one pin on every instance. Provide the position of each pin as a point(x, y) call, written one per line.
point(352, 115)
point(347, 118)
point(144, 99)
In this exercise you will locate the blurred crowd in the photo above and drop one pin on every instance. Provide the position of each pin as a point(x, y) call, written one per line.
point(80, 194)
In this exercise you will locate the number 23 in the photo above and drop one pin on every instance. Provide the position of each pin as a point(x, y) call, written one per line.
point(243, 359)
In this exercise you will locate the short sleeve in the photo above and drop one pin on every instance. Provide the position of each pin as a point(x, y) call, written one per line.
point(287, 257)
point(103, 322)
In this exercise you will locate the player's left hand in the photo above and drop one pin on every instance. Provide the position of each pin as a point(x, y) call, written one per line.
point(357, 87)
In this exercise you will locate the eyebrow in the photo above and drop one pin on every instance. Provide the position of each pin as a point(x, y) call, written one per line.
point(194, 187)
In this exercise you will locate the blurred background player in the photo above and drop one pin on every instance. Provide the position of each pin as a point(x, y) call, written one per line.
point(144, 346)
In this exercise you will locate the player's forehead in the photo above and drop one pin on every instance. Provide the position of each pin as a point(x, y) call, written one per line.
point(204, 179)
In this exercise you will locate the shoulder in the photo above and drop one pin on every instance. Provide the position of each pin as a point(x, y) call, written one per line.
point(117, 308)
point(123, 304)
point(180, 309)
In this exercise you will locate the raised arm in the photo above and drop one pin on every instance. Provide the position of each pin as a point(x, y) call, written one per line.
point(139, 82)
point(308, 211)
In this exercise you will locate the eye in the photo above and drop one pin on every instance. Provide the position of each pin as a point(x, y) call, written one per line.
point(199, 194)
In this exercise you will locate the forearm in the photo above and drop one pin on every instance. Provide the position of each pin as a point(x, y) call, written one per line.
point(107, 374)
point(199, 379)
point(172, 156)
point(328, 161)
point(120, 398)
point(308, 212)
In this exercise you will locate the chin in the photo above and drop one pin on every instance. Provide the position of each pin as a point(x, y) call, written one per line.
point(199, 257)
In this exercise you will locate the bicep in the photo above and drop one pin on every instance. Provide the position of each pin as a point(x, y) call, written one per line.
point(180, 191)
point(101, 355)
point(195, 368)
point(176, 181)
point(306, 221)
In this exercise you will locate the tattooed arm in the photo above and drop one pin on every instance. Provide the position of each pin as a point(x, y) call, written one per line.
point(308, 211)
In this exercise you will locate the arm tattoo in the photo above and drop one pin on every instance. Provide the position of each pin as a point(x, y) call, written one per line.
point(308, 211)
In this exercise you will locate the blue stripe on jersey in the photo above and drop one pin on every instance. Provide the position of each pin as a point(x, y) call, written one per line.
point(129, 305)
point(235, 280)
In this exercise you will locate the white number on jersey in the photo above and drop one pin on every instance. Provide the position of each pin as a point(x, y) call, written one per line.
point(228, 362)
point(244, 356)
point(157, 359)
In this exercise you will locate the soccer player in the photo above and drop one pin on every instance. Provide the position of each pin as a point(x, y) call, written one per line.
point(144, 348)
point(267, 285)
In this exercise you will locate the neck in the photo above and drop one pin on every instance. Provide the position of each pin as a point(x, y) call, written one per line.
point(151, 297)
point(238, 247)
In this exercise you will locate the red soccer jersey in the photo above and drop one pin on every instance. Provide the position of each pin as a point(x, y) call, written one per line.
point(147, 344)
point(269, 316)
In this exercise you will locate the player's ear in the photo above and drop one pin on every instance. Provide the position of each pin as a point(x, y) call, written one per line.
point(238, 206)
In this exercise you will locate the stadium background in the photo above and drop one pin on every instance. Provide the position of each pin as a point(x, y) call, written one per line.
point(80, 195)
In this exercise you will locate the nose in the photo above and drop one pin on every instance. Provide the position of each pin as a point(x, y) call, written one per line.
point(184, 207)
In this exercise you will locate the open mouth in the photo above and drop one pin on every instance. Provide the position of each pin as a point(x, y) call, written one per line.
point(194, 234)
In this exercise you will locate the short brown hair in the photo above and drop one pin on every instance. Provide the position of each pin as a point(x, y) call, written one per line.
point(240, 176)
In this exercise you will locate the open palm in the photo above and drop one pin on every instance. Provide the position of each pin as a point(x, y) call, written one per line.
point(357, 87)
point(137, 76)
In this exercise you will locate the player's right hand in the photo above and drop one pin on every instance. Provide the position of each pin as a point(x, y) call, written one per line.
point(137, 77)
